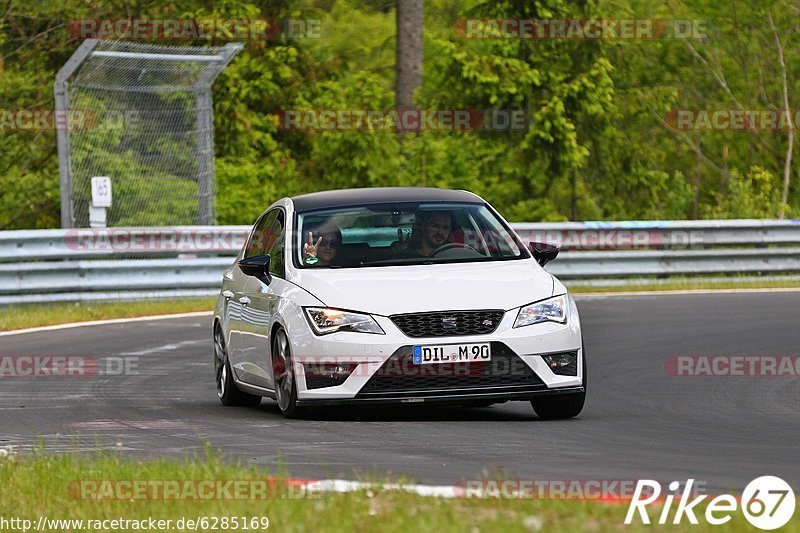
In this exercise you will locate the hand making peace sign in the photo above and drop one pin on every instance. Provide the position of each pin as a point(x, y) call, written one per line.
point(310, 248)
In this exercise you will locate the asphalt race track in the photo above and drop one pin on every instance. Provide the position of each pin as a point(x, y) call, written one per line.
point(639, 421)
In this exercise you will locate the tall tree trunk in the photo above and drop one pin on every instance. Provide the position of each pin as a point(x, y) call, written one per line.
point(787, 167)
point(698, 176)
point(725, 175)
point(409, 52)
point(574, 200)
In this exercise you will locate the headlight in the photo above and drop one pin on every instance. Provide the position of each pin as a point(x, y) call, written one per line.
point(551, 310)
point(325, 321)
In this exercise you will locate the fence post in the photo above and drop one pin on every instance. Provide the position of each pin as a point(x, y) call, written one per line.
point(62, 133)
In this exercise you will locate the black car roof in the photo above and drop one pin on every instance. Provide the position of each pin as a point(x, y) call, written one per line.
point(379, 195)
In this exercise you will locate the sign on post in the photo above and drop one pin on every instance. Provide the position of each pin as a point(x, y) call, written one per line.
point(101, 200)
point(101, 191)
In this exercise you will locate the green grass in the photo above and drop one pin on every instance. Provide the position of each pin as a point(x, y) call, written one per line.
point(33, 315)
point(684, 284)
point(44, 484)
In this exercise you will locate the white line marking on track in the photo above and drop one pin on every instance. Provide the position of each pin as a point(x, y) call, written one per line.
point(168, 347)
point(655, 294)
point(103, 322)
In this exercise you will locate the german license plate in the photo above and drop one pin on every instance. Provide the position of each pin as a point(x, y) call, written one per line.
point(452, 353)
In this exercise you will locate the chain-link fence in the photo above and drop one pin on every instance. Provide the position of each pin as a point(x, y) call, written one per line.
point(142, 115)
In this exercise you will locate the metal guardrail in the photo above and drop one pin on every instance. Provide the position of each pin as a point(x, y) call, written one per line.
point(663, 234)
point(97, 264)
point(50, 244)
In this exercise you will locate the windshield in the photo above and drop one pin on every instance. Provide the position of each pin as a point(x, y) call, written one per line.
point(403, 234)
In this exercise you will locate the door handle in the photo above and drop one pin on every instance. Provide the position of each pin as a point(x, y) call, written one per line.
point(244, 300)
point(227, 294)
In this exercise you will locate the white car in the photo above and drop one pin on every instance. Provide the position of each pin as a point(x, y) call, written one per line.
point(395, 295)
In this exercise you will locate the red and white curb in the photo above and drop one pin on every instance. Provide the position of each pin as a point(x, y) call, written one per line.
point(309, 487)
point(343, 485)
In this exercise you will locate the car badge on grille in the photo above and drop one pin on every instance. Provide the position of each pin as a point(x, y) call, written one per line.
point(449, 322)
point(488, 323)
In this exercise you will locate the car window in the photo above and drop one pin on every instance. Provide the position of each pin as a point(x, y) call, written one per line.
point(255, 241)
point(268, 238)
point(267, 231)
point(403, 233)
point(276, 247)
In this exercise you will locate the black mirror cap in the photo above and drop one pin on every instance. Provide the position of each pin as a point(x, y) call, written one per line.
point(257, 266)
point(544, 252)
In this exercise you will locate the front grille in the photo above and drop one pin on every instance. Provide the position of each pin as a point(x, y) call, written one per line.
point(448, 323)
point(399, 375)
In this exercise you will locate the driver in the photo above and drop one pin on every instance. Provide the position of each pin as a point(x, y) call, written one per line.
point(435, 229)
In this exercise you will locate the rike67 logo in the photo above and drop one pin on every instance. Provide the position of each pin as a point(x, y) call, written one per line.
point(767, 502)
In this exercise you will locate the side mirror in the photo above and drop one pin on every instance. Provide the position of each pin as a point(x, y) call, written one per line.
point(544, 252)
point(257, 266)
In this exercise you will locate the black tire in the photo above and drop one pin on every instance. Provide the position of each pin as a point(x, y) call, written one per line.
point(227, 392)
point(283, 376)
point(561, 406)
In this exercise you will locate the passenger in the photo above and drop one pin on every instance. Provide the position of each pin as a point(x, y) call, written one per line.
point(435, 228)
point(401, 245)
point(324, 242)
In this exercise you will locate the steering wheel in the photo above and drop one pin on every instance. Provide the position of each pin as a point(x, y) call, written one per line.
point(451, 246)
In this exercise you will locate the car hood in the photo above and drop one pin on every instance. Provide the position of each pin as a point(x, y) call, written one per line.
point(389, 290)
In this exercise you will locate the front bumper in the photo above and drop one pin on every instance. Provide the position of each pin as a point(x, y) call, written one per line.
point(382, 374)
point(448, 398)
